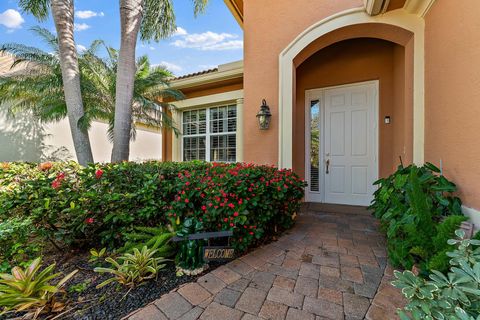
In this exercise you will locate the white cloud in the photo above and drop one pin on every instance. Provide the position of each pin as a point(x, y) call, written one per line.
point(81, 26)
point(180, 32)
point(151, 48)
point(12, 19)
point(209, 41)
point(87, 14)
point(170, 66)
point(81, 48)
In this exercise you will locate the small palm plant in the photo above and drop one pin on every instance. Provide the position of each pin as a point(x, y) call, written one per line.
point(133, 268)
point(30, 290)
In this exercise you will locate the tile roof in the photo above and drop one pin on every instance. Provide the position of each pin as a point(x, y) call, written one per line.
point(191, 75)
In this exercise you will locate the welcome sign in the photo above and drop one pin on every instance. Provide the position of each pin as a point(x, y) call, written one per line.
point(219, 253)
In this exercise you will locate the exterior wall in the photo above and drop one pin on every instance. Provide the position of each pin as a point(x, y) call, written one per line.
point(23, 139)
point(452, 93)
point(352, 61)
point(269, 26)
point(206, 90)
point(147, 145)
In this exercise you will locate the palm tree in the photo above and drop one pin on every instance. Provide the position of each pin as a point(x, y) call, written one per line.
point(63, 16)
point(151, 91)
point(39, 87)
point(154, 20)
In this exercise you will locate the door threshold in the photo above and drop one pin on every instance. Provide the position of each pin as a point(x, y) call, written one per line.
point(336, 208)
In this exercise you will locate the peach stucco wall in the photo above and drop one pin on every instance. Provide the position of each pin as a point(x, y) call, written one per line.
point(352, 61)
point(269, 26)
point(452, 93)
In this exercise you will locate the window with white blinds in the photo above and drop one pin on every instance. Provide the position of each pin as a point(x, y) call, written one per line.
point(210, 134)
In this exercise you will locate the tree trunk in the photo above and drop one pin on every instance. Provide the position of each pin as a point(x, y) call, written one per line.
point(131, 14)
point(62, 12)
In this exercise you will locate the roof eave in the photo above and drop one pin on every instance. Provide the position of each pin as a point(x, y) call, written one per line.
point(236, 8)
point(207, 78)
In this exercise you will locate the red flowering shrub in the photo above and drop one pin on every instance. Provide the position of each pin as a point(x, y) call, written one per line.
point(103, 201)
point(252, 201)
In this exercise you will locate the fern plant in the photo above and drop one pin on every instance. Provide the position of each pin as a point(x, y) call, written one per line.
point(30, 289)
point(156, 238)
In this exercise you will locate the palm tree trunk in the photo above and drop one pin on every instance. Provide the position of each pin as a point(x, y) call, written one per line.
point(62, 12)
point(131, 14)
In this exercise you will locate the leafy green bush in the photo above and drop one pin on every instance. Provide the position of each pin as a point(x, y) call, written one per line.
point(417, 199)
point(71, 205)
point(16, 243)
point(452, 296)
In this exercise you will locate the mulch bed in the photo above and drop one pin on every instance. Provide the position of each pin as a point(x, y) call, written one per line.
point(112, 301)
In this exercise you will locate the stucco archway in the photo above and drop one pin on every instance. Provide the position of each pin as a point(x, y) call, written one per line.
point(305, 45)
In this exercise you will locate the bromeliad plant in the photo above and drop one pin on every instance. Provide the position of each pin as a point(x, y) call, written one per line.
point(189, 259)
point(133, 268)
point(412, 199)
point(31, 290)
point(451, 296)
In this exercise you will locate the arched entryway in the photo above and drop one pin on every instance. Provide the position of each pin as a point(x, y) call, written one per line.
point(348, 106)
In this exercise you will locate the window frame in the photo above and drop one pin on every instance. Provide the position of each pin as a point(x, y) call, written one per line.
point(209, 134)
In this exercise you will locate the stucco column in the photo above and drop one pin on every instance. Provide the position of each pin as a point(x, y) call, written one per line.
point(177, 139)
point(239, 130)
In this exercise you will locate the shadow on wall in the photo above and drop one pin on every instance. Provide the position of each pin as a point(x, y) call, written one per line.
point(22, 138)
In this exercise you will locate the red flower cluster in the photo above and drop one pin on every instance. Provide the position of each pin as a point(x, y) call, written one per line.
point(89, 220)
point(58, 180)
point(98, 173)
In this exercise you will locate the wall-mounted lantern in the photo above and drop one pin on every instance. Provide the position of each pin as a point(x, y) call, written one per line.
point(264, 116)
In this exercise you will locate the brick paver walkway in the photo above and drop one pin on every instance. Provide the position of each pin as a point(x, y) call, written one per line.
point(329, 266)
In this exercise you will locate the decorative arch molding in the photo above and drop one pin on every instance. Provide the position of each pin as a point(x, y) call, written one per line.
point(352, 17)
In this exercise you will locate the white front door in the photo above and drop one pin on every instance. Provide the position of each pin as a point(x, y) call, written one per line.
point(342, 161)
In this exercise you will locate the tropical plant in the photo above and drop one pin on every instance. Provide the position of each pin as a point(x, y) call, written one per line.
point(41, 89)
point(154, 20)
point(30, 289)
point(63, 17)
point(451, 296)
point(417, 198)
point(157, 238)
point(190, 255)
point(133, 268)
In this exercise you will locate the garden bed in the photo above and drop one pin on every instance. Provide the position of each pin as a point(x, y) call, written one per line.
point(61, 207)
point(86, 302)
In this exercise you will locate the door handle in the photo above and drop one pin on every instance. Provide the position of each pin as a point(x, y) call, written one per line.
point(327, 164)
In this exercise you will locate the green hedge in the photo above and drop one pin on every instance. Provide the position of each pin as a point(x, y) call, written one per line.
point(71, 205)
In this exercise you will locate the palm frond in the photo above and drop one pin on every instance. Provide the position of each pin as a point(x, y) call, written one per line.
point(199, 6)
point(48, 37)
point(38, 8)
point(158, 20)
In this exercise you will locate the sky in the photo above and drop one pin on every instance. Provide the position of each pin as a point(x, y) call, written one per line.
point(200, 43)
